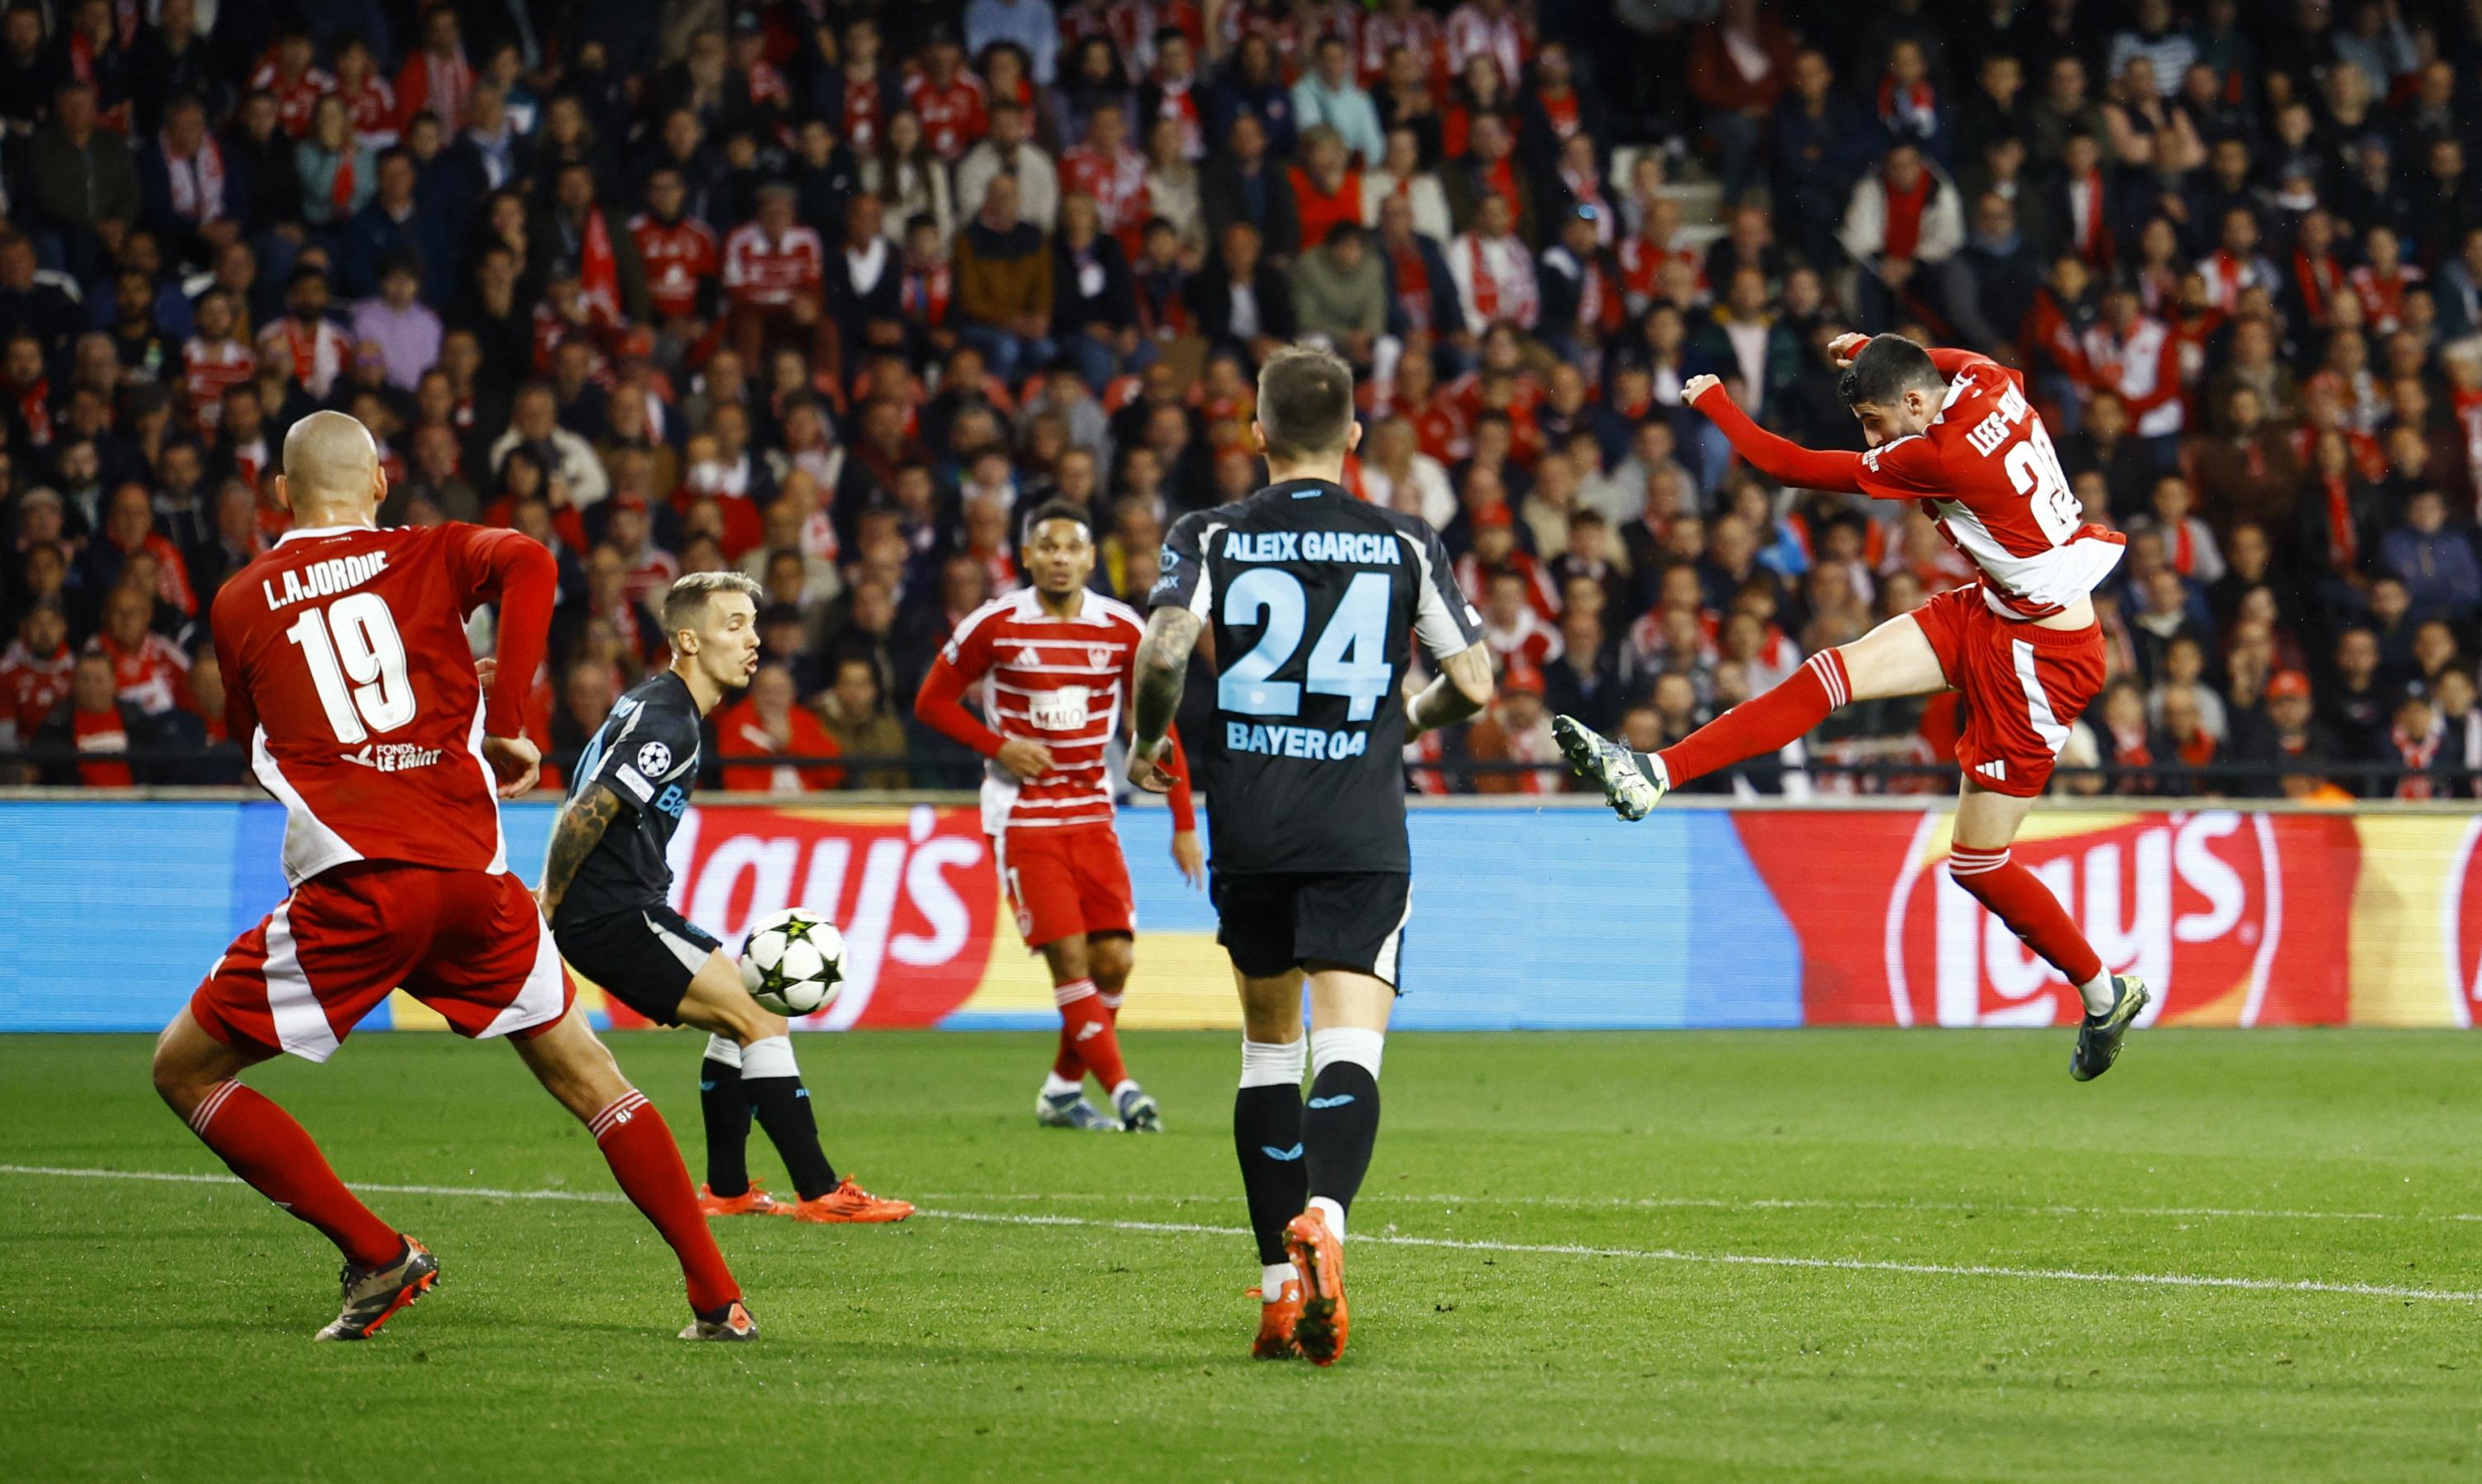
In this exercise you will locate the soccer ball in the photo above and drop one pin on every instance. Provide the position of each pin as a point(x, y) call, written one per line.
point(793, 962)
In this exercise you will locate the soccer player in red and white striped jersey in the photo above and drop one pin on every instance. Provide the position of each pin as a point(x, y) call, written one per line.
point(1052, 664)
point(1955, 431)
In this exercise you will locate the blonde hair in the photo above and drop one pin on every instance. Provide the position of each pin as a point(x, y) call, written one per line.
point(685, 603)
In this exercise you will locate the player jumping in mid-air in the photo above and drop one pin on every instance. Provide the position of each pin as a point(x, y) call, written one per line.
point(1052, 665)
point(1313, 594)
point(2022, 645)
point(605, 892)
point(344, 665)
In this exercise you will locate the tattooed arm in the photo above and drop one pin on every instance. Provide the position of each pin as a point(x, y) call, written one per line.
point(1162, 666)
point(573, 837)
point(1462, 689)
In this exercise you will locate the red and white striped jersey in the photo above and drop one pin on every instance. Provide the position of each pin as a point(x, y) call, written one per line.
point(207, 369)
point(678, 257)
point(152, 675)
point(952, 117)
point(374, 112)
point(31, 684)
point(1506, 36)
point(295, 100)
point(1995, 486)
point(759, 271)
point(320, 354)
point(1119, 185)
point(1417, 32)
point(1058, 682)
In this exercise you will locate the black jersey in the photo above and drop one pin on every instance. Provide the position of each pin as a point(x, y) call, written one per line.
point(647, 753)
point(1315, 597)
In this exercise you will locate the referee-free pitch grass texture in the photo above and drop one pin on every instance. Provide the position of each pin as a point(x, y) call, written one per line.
point(1074, 1328)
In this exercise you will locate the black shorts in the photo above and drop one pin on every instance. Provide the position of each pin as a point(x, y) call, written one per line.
point(643, 958)
point(1348, 920)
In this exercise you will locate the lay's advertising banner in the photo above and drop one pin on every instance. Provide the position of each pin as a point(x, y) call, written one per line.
point(1522, 917)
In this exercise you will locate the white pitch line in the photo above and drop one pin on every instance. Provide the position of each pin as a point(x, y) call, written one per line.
point(1530, 1249)
point(1759, 1203)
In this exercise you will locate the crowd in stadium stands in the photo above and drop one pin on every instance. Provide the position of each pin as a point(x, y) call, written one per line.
point(827, 290)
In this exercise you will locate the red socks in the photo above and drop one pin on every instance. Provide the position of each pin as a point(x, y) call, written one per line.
point(279, 1158)
point(1086, 1034)
point(1069, 1065)
point(1761, 724)
point(2018, 898)
point(644, 1158)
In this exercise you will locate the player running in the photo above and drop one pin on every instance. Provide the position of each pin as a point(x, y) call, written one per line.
point(1952, 428)
point(1052, 663)
point(346, 666)
point(605, 892)
point(1312, 594)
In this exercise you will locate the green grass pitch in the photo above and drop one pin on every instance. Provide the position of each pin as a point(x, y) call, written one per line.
point(1555, 1274)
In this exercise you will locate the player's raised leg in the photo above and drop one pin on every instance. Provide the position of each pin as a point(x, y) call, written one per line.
point(769, 1080)
point(1892, 659)
point(1109, 957)
point(195, 1074)
point(576, 1069)
point(1987, 822)
point(1267, 1140)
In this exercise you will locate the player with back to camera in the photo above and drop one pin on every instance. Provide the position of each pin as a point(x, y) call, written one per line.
point(605, 891)
point(1953, 429)
point(1315, 596)
point(1052, 663)
point(346, 667)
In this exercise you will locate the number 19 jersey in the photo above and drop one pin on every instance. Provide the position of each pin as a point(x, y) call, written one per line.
point(1997, 490)
point(348, 675)
point(1315, 599)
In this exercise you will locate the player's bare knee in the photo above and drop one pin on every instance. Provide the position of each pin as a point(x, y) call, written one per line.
point(1109, 961)
point(1068, 959)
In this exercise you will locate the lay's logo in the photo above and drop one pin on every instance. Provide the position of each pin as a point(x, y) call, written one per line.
point(2209, 908)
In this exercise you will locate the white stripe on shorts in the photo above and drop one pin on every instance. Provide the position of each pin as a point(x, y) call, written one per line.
point(300, 1025)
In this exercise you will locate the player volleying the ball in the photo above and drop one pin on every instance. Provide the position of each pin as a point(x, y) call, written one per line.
point(1050, 667)
point(345, 668)
point(1953, 429)
point(605, 891)
point(1315, 597)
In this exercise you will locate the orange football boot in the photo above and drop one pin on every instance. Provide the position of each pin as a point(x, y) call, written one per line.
point(753, 1202)
point(1276, 1321)
point(848, 1202)
point(1319, 1258)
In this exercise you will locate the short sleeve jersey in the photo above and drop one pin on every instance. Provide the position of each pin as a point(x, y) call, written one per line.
point(349, 645)
point(1058, 682)
point(1997, 490)
point(1315, 599)
point(647, 753)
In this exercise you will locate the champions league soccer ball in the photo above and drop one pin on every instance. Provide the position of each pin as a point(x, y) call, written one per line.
point(793, 962)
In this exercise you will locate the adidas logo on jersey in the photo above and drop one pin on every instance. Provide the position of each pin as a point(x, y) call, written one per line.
point(1027, 658)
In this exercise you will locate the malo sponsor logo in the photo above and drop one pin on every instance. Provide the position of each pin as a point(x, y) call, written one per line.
point(913, 890)
point(2232, 919)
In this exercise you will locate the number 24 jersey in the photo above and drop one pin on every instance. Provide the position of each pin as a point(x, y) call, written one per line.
point(1315, 599)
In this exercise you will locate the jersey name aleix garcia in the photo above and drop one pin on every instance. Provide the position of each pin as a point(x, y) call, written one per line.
point(1061, 682)
point(1997, 490)
point(647, 753)
point(349, 676)
point(1315, 599)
